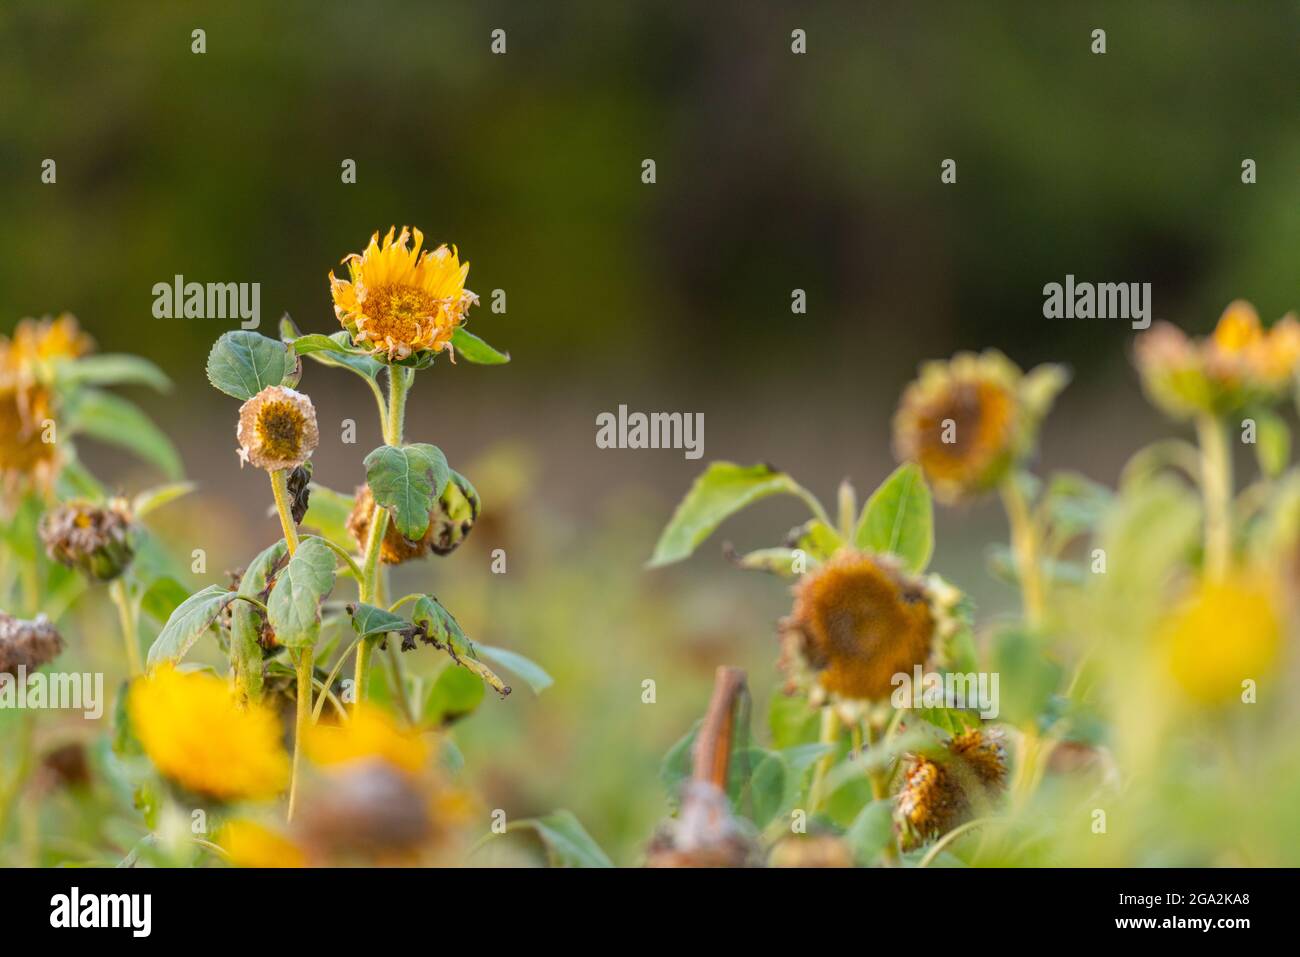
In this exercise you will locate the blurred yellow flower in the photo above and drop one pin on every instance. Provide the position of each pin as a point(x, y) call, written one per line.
point(370, 734)
point(1238, 364)
point(29, 458)
point(398, 300)
point(967, 421)
point(858, 622)
point(195, 733)
point(1224, 632)
point(250, 844)
point(38, 342)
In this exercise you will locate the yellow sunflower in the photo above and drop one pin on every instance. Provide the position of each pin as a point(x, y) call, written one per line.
point(194, 732)
point(399, 300)
point(370, 734)
point(968, 421)
point(857, 621)
point(1223, 633)
point(250, 844)
point(37, 343)
point(29, 458)
point(1239, 364)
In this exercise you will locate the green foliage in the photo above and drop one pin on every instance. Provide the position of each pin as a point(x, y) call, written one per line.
point(112, 419)
point(294, 605)
point(242, 363)
point(898, 519)
point(473, 349)
point(188, 622)
point(567, 843)
point(407, 480)
point(724, 489)
point(111, 369)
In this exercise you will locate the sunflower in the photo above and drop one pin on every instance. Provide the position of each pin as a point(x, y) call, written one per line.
point(29, 458)
point(939, 793)
point(398, 300)
point(857, 622)
point(369, 734)
point(249, 844)
point(450, 521)
point(277, 429)
point(27, 644)
point(1223, 633)
point(1241, 363)
point(95, 539)
point(198, 736)
point(38, 343)
point(968, 421)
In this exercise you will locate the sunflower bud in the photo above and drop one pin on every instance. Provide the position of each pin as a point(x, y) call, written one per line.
point(27, 644)
point(93, 539)
point(299, 491)
point(277, 429)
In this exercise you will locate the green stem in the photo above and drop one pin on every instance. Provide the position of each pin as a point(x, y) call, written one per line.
point(830, 734)
point(126, 618)
point(302, 718)
point(1024, 544)
point(1216, 487)
point(280, 487)
point(399, 382)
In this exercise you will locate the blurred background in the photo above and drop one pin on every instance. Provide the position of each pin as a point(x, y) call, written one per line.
point(775, 172)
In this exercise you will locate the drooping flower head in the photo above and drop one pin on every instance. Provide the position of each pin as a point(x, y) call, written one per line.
point(398, 299)
point(450, 520)
point(29, 456)
point(858, 621)
point(968, 421)
point(27, 644)
point(1239, 364)
point(95, 539)
point(277, 429)
point(197, 735)
point(940, 793)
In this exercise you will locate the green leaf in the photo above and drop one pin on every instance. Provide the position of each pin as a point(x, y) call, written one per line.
point(112, 369)
point(1075, 503)
point(567, 842)
point(471, 347)
point(1027, 679)
point(343, 355)
point(295, 600)
point(152, 499)
point(190, 620)
point(532, 673)
point(455, 694)
point(898, 519)
point(407, 480)
point(162, 597)
point(246, 619)
point(724, 489)
point(367, 621)
point(775, 561)
point(1272, 442)
point(1040, 387)
point(110, 418)
point(791, 720)
point(442, 627)
point(871, 832)
point(242, 363)
point(817, 539)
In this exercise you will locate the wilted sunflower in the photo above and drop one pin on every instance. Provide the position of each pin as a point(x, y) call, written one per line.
point(1238, 365)
point(450, 521)
point(95, 539)
point(399, 300)
point(1223, 633)
point(27, 644)
point(38, 343)
point(370, 734)
point(967, 421)
point(198, 736)
point(28, 460)
point(858, 621)
point(939, 794)
point(277, 429)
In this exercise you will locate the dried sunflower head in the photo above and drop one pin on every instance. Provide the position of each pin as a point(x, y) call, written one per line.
point(94, 539)
point(968, 421)
point(1238, 365)
point(939, 793)
point(27, 645)
point(400, 301)
point(277, 429)
point(29, 458)
point(37, 344)
point(858, 621)
point(450, 520)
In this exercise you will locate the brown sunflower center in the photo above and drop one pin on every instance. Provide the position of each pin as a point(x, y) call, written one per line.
point(966, 428)
point(399, 312)
point(280, 429)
